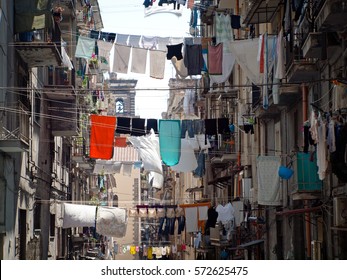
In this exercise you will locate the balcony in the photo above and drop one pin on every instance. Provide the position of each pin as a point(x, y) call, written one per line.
point(84, 22)
point(271, 112)
point(298, 68)
point(308, 185)
point(258, 11)
point(41, 47)
point(64, 119)
point(332, 16)
point(60, 92)
point(16, 140)
point(80, 150)
point(288, 95)
point(301, 71)
point(37, 54)
point(320, 45)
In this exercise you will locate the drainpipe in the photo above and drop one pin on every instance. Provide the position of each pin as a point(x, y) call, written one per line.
point(236, 12)
point(238, 193)
point(307, 214)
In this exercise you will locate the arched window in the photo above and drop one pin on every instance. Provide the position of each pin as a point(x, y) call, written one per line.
point(119, 106)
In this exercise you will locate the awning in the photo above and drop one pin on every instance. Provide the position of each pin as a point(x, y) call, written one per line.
point(261, 11)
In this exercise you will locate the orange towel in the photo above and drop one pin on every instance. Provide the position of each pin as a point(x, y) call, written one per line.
point(102, 136)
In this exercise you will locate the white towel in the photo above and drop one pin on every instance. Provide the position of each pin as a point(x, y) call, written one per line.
point(191, 214)
point(77, 215)
point(157, 64)
point(111, 221)
point(268, 180)
point(104, 54)
point(121, 58)
point(139, 60)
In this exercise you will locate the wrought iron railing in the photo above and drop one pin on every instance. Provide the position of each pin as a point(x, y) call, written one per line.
point(21, 130)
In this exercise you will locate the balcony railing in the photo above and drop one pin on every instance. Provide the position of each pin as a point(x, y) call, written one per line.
point(298, 68)
point(258, 11)
point(80, 147)
point(16, 139)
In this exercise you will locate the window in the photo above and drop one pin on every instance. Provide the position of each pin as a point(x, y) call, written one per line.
point(52, 225)
point(119, 106)
point(37, 216)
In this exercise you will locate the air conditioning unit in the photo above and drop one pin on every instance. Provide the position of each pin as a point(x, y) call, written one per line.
point(340, 211)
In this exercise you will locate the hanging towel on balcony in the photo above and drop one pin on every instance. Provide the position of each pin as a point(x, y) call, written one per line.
point(77, 215)
point(102, 136)
point(139, 60)
point(157, 61)
point(215, 59)
point(268, 180)
point(85, 47)
point(170, 141)
point(121, 59)
point(111, 221)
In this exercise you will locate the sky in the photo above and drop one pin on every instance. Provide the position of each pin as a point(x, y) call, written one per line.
point(128, 17)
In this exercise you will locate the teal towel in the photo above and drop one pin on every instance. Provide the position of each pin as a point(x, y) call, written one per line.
point(170, 141)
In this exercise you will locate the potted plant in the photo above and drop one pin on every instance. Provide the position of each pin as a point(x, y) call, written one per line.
point(93, 62)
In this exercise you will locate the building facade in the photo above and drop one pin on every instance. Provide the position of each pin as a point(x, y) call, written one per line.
point(273, 105)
